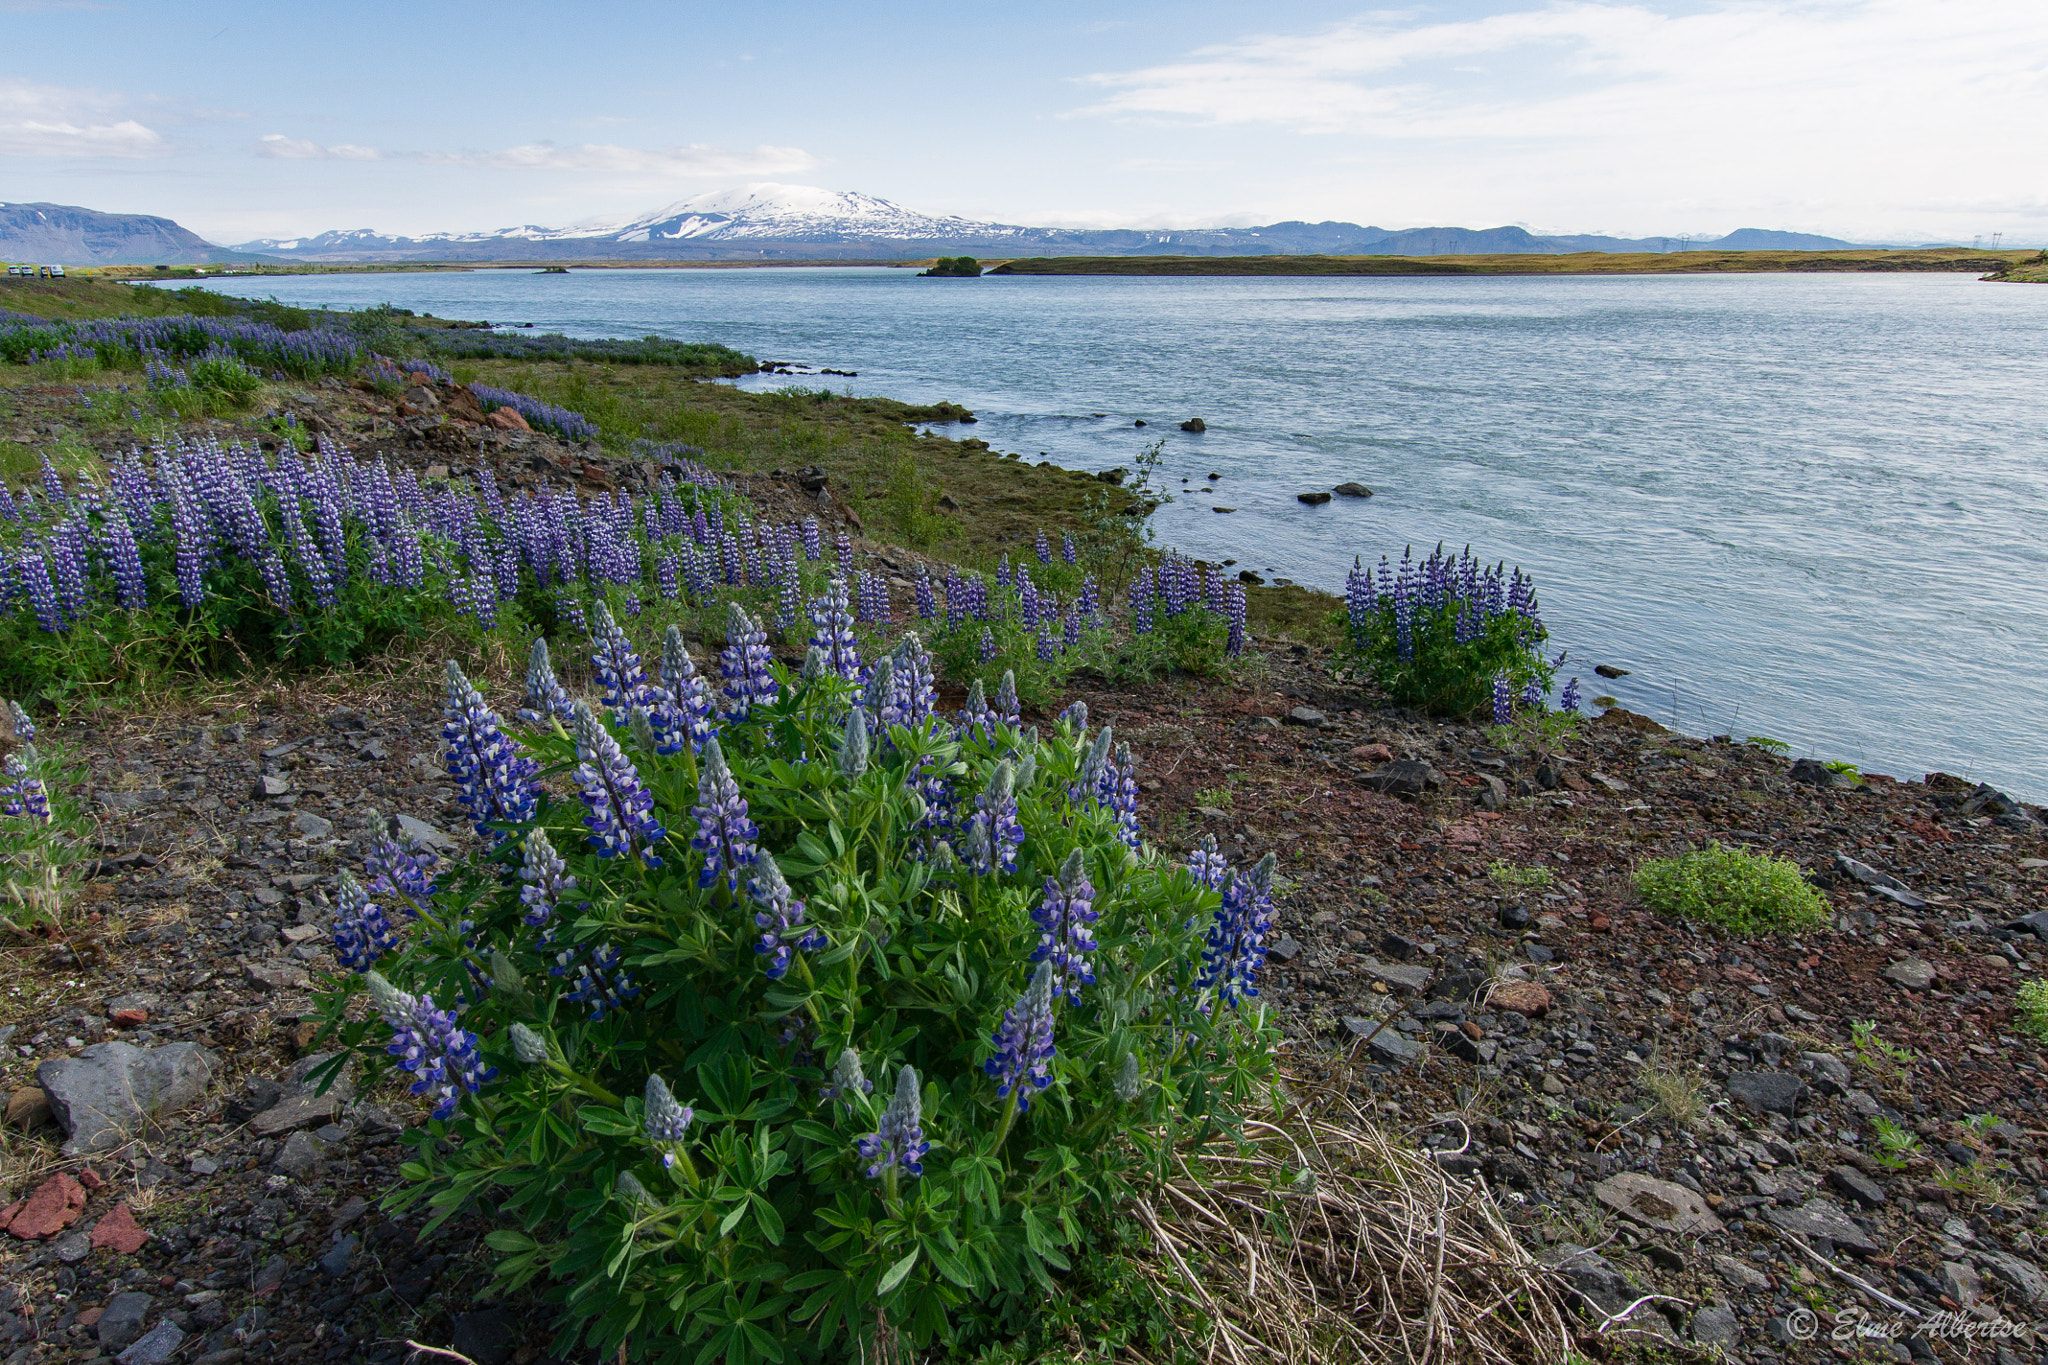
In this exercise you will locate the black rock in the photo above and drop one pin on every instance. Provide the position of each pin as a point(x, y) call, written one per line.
point(1316, 499)
point(1286, 950)
point(1514, 917)
point(1857, 1186)
point(1352, 490)
point(1538, 953)
point(1461, 985)
point(1194, 424)
point(1399, 948)
point(1815, 773)
point(1306, 715)
point(1961, 1155)
point(1768, 1091)
point(1610, 671)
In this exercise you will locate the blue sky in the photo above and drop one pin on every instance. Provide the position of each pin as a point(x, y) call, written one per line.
point(1871, 119)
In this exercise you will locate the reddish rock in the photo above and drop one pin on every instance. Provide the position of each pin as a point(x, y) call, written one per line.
point(90, 1179)
point(505, 419)
point(1601, 924)
point(1523, 997)
point(120, 1231)
point(54, 1207)
point(91, 1317)
point(130, 1018)
point(1373, 753)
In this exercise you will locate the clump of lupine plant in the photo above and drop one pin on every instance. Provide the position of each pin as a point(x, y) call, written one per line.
point(870, 1013)
point(1449, 634)
point(41, 827)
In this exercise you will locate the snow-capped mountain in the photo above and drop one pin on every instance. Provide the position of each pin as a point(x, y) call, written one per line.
point(764, 213)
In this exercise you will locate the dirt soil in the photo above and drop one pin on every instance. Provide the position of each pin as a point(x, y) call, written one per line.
point(1664, 1112)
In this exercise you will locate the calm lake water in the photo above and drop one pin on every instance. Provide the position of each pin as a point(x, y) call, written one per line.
point(1808, 507)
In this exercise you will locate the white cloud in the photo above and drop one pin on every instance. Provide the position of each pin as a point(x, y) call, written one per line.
point(282, 148)
point(48, 120)
point(693, 159)
point(1823, 112)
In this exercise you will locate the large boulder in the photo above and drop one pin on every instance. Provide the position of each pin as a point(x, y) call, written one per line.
point(108, 1094)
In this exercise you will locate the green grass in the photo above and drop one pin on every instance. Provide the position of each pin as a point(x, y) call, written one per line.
point(1732, 890)
point(1507, 874)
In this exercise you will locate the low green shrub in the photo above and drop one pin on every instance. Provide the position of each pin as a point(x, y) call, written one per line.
point(2031, 1010)
point(1451, 636)
point(42, 827)
point(1734, 890)
point(815, 1024)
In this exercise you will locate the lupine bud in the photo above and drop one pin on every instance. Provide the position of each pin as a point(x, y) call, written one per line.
point(847, 1079)
point(529, 1047)
point(853, 748)
point(814, 665)
point(544, 694)
point(633, 1192)
point(1130, 1079)
point(25, 728)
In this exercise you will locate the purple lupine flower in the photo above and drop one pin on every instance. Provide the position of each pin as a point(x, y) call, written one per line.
point(619, 675)
point(1044, 549)
point(494, 780)
point(620, 810)
point(24, 794)
point(1208, 865)
point(1063, 915)
point(780, 918)
point(1070, 632)
point(24, 726)
point(743, 664)
point(1503, 701)
point(70, 566)
point(131, 588)
point(1141, 602)
point(993, 834)
point(844, 548)
point(686, 716)
point(1006, 700)
point(988, 644)
point(1089, 785)
point(1024, 1043)
point(1091, 599)
point(927, 601)
point(396, 870)
point(898, 1142)
point(725, 836)
point(977, 720)
point(917, 684)
point(1047, 647)
point(1027, 601)
point(814, 549)
point(1568, 700)
point(545, 695)
point(1358, 595)
point(431, 1045)
point(1234, 605)
point(1532, 695)
point(362, 934)
point(1120, 795)
point(788, 598)
point(34, 573)
point(1068, 552)
point(832, 631)
point(1236, 945)
point(1003, 572)
point(547, 878)
point(598, 984)
point(664, 1121)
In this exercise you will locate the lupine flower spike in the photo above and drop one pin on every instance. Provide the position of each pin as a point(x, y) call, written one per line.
point(547, 879)
point(494, 780)
point(780, 918)
point(725, 836)
point(848, 1082)
point(430, 1044)
point(620, 810)
point(664, 1121)
point(1024, 1043)
point(544, 694)
point(898, 1142)
point(1064, 915)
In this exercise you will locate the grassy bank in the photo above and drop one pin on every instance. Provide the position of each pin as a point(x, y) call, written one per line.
point(1577, 263)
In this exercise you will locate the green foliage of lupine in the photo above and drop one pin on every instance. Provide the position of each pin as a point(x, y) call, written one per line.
point(2031, 1010)
point(1436, 647)
point(760, 1234)
point(1734, 890)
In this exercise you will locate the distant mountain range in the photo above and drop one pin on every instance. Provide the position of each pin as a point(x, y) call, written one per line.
point(796, 222)
point(800, 222)
point(58, 234)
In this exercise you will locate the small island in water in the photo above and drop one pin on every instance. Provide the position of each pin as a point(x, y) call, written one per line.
point(953, 268)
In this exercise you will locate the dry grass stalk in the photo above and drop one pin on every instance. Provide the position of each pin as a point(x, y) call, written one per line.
point(1324, 1239)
